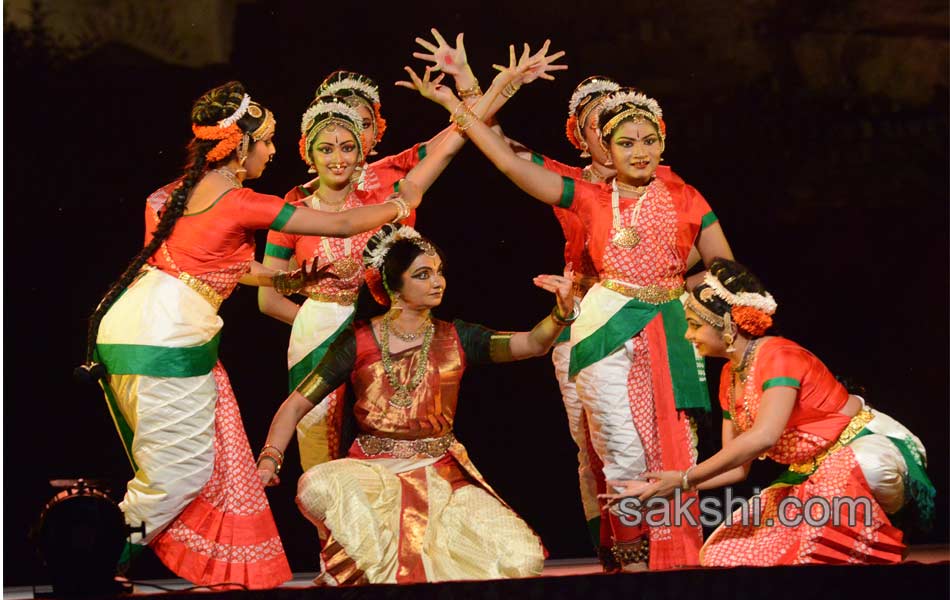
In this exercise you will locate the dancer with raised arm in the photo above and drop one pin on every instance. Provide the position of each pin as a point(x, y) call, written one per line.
point(195, 490)
point(406, 504)
point(635, 374)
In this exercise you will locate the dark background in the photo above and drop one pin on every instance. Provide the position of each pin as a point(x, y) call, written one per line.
point(817, 131)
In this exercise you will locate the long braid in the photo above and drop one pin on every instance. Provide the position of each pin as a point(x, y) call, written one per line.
point(211, 107)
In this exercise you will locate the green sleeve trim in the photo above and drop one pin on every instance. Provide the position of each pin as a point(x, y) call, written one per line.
point(422, 151)
point(781, 382)
point(282, 217)
point(567, 192)
point(708, 219)
point(537, 159)
point(726, 415)
point(276, 251)
point(160, 361)
point(476, 342)
point(396, 186)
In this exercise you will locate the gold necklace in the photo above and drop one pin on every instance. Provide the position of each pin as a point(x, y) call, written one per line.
point(624, 237)
point(410, 336)
point(739, 373)
point(634, 189)
point(230, 176)
point(402, 396)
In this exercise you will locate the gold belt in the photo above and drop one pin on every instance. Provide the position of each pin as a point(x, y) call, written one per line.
point(431, 447)
point(206, 291)
point(343, 298)
point(652, 294)
point(857, 423)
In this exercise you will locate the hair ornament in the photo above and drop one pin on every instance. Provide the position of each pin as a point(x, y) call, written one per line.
point(597, 86)
point(237, 114)
point(638, 99)
point(375, 254)
point(762, 302)
point(351, 84)
point(323, 108)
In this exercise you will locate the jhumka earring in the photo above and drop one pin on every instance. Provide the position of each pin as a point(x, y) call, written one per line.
point(727, 333)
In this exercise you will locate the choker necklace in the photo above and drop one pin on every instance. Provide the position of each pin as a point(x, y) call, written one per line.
point(229, 175)
point(402, 396)
point(634, 189)
point(411, 336)
point(743, 365)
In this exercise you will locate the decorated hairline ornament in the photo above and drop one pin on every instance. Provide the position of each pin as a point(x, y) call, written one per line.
point(327, 109)
point(351, 84)
point(637, 99)
point(388, 236)
point(597, 86)
point(763, 302)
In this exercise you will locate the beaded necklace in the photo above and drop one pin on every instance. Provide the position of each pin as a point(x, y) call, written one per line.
point(345, 267)
point(624, 237)
point(744, 375)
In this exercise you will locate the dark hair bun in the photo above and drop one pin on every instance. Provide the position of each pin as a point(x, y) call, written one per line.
point(218, 103)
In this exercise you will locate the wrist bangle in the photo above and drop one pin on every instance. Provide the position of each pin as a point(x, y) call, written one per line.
point(402, 209)
point(277, 464)
point(561, 319)
point(684, 483)
point(510, 89)
point(471, 92)
point(463, 117)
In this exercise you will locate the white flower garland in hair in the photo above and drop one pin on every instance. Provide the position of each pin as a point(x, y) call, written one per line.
point(325, 108)
point(637, 99)
point(228, 121)
point(376, 256)
point(764, 302)
point(597, 86)
point(352, 84)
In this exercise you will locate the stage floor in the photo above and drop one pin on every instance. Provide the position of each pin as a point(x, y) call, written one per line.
point(930, 554)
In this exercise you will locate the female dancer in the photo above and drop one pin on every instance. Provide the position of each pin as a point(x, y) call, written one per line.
point(332, 146)
point(329, 307)
point(195, 490)
point(780, 401)
point(635, 375)
point(407, 505)
point(362, 94)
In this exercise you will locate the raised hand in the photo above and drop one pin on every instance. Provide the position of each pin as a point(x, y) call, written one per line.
point(562, 287)
point(445, 58)
point(431, 89)
point(528, 67)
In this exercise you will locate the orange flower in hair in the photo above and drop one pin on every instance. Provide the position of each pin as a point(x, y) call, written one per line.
point(230, 138)
point(380, 123)
point(571, 130)
point(374, 281)
point(302, 147)
point(751, 319)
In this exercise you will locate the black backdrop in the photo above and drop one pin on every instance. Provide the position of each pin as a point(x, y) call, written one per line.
point(834, 193)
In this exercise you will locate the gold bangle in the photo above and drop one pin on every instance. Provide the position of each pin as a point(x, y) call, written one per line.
point(280, 455)
point(510, 89)
point(402, 209)
point(463, 117)
point(471, 92)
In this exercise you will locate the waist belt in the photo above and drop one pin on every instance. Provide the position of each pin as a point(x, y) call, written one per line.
point(651, 294)
point(430, 447)
point(343, 298)
point(857, 423)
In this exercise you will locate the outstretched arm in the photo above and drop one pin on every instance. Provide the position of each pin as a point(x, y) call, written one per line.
point(533, 179)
